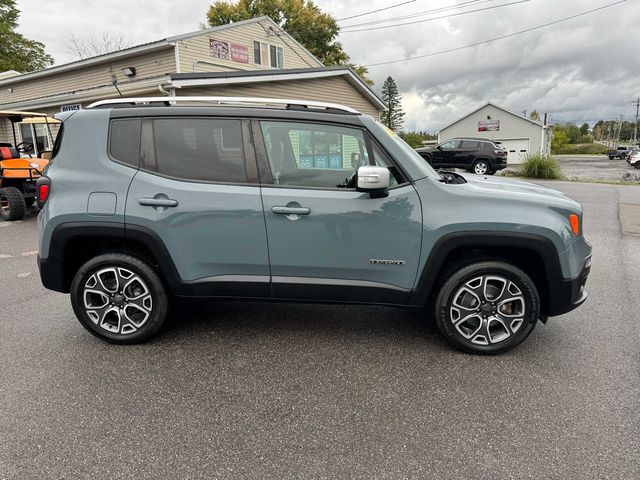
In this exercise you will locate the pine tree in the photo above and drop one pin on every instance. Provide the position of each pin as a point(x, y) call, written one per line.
point(394, 116)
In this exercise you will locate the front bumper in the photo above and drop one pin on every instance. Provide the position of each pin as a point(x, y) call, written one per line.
point(566, 295)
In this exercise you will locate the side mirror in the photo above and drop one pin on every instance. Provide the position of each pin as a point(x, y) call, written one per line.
point(374, 180)
point(439, 147)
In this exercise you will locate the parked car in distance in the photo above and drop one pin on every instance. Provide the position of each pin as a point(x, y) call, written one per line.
point(308, 203)
point(633, 158)
point(620, 152)
point(480, 156)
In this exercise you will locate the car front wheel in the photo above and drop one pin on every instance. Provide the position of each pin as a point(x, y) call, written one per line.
point(119, 298)
point(487, 307)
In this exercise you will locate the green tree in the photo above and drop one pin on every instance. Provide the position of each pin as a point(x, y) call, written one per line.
point(17, 52)
point(414, 139)
point(559, 138)
point(534, 115)
point(301, 19)
point(394, 116)
point(584, 129)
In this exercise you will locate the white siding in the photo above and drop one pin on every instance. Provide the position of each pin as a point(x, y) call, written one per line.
point(512, 127)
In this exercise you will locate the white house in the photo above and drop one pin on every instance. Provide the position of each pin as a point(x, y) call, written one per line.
point(520, 135)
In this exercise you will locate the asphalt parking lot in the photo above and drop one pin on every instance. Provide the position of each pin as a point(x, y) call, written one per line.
point(597, 167)
point(237, 390)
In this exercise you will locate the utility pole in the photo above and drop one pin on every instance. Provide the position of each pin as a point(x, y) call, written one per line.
point(619, 130)
point(635, 125)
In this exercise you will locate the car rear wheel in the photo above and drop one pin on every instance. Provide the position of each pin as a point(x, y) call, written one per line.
point(481, 167)
point(119, 298)
point(487, 307)
point(637, 164)
point(12, 206)
point(611, 157)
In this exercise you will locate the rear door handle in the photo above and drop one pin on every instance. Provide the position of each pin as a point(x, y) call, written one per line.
point(291, 210)
point(158, 202)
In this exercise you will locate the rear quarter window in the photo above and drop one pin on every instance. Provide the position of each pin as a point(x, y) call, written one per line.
point(124, 141)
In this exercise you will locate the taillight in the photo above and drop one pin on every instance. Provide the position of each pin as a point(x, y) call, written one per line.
point(498, 152)
point(43, 188)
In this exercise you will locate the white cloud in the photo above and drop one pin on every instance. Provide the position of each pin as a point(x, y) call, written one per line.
point(581, 70)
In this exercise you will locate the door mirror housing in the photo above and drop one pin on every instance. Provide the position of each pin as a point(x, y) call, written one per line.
point(374, 180)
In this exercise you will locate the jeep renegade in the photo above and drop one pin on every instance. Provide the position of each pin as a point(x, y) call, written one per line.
point(150, 199)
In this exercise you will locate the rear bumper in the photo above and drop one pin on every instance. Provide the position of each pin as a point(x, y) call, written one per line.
point(566, 295)
point(500, 166)
point(51, 274)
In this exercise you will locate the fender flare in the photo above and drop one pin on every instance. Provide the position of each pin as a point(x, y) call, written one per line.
point(52, 269)
point(426, 281)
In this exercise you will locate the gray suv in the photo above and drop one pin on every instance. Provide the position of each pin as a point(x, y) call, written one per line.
point(148, 200)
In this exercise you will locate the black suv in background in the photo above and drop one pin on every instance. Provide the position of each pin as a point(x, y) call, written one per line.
point(473, 154)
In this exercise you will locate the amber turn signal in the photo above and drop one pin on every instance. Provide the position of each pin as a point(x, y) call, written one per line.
point(575, 224)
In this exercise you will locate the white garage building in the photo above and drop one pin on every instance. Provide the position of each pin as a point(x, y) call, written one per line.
point(520, 135)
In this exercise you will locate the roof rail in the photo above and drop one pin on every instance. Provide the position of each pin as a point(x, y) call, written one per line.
point(288, 103)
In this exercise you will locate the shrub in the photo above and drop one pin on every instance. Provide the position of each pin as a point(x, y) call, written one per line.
point(585, 139)
point(541, 166)
point(586, 148)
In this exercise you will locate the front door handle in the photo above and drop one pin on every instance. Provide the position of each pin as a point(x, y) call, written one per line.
point(291, 210)
point(158, 202)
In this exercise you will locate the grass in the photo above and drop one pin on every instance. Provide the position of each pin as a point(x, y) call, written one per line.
point(582, 149)
point(541, 166)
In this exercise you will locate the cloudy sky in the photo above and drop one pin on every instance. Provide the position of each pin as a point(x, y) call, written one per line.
point(580, 70)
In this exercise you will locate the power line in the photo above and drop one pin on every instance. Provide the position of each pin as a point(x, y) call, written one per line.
point(376, 11)
point(436, 18)
point(468, 3)
point(455, 49)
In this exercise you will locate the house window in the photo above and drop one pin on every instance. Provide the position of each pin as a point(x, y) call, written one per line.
point(268, 55)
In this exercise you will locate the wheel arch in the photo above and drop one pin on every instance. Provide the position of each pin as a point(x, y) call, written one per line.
point(72, 244)
point(534, 254)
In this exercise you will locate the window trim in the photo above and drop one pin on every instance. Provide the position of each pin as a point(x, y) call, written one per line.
point(148, 154)
point(268, 60)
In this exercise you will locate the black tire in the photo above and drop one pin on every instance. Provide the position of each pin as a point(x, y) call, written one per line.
point(453, 291)
point(637, 164)
point(611, 157)
point(12, 206)
point(479, 165)
point(156, 308)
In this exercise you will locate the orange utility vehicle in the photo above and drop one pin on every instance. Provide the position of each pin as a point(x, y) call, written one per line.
point(19, 168)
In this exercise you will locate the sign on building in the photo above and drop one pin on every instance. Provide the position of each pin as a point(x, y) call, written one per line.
point(219, 49)
point(489, 125)
point(239, 53)
point(71, 108)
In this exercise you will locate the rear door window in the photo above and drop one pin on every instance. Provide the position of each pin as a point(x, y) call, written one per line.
point(469, 144)
point(201, 149)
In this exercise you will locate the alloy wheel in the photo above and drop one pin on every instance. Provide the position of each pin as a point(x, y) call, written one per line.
point(117, 300)
point(480, 168)
point(487, 309)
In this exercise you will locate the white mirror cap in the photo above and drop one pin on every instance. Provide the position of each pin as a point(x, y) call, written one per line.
point(373, 178)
